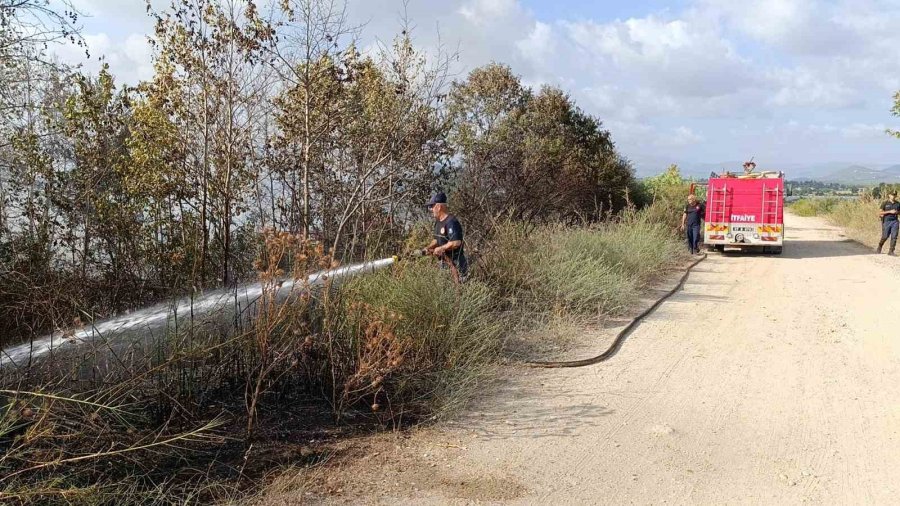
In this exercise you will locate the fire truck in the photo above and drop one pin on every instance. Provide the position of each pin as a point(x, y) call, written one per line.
point(745, 211)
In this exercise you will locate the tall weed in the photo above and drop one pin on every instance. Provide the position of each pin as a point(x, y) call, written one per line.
point(859, 218)
point(583, 271)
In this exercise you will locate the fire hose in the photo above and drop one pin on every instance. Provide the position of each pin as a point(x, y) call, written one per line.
point(623, 334)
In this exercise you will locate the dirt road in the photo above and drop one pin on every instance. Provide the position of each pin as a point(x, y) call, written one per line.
point(767, 380)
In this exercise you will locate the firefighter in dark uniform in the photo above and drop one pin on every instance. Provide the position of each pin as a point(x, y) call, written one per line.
point(889, 222)
point(690, 223)
point(447, 244)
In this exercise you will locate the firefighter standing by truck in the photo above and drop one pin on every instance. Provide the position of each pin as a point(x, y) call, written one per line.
point(690, 222)
point(889, 222)
point(447, 244)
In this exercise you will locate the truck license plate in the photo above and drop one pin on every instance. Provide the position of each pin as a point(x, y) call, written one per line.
point(742, 229)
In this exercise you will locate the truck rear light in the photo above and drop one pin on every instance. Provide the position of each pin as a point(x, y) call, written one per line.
point(769, 238)
point(717, 237)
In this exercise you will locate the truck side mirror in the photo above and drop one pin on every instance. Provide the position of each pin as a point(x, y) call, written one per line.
point(790, 190)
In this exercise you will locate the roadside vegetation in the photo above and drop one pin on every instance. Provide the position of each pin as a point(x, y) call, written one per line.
point(813, 206)
point(858, 217)
point(257, 154)
point(206, 416)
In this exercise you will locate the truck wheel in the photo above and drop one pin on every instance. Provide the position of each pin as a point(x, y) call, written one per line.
point(776, 250)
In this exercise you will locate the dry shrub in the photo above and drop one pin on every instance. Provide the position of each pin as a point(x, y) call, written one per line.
point(410, 343)
point(88, 448)
point(281, 320)
point(397, 346)
point(380, 353)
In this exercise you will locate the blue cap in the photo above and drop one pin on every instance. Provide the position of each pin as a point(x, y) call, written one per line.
point(439, 198)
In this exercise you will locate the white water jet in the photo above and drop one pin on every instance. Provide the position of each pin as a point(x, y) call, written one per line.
point(148, 322)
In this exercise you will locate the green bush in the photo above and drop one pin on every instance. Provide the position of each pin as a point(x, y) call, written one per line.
point(581, 271)
point(664, 196)
point(813, 206)
point(644, 248)
point(580, 277)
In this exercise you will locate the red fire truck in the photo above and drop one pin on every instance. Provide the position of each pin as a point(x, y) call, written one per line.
point(745, 212)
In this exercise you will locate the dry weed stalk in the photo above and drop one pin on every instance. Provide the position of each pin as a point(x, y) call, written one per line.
point(281, 328)
point(43, 434)
point(380, 354)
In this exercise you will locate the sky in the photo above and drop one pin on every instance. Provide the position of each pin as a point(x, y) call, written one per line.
point(789, 82)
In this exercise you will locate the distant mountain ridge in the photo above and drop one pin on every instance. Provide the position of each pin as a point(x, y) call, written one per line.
point(860, 175)
point(893, 169)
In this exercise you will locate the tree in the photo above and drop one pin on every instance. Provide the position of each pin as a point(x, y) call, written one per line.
point(896, 112)
point(93, 202)
point(662, 183)
point(378, 143)
point(484, 111)
point(210, 73)
point(309, 34)
point(27, 28)
point(533, 157)
point(158, 183)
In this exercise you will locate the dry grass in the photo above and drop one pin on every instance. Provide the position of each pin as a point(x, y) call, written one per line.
point(859, 219)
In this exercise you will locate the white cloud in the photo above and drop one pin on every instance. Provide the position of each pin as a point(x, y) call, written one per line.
point(539, 46)
point(865, 131)
point(484, 12)
point(683, 57)
point(800, 87)
point(805, 77)
point(801, 26)
point(129, 59)
point(679, 137)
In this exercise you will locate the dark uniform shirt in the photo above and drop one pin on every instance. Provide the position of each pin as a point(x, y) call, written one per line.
point(694, 214)
point(888, 206)
point(451, 230)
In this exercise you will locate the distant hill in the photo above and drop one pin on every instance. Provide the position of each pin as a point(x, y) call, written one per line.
point(859, 175)
point(893, 169)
